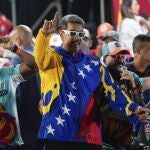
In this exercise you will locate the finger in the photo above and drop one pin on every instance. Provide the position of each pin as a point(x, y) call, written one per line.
point(55, 21)
point(125, 78)
point(50, 24)
point(142, 118)
point(148, 110)
point(45, 23)
point(56, 16)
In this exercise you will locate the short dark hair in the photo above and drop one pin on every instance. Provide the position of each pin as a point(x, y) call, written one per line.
point(71, 18)
point(126, 4)
point(139, 41)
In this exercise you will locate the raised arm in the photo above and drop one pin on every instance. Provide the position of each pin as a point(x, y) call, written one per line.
point(29, 67)
point(42, 50)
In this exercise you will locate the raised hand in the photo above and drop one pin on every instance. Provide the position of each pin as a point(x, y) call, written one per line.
point(50, 26)
point(142, 113)
point(6, 42)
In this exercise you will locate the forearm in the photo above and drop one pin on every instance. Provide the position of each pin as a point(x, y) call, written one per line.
point(28, 60)
point(28, 68)
point(41, 49)
point(117, 98)
point(146, 83)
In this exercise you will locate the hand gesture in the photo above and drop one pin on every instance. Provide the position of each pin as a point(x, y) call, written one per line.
point(142, 113)
point(50, 26)
point(6, 42)
point(127, 75)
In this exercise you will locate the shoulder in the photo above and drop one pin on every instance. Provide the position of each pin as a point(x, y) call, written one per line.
point(11, 70)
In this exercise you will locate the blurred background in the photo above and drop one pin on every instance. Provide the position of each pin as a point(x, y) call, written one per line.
point(33, 12)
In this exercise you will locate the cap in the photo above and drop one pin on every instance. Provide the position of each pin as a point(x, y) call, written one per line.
point(111, 34)
point(55, 40)
point(114, 48)
point(103, 28)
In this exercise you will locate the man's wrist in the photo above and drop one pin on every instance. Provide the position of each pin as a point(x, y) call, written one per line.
point(45, 33)
point(15, 50)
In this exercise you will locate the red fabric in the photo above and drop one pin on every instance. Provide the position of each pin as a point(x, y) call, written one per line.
point(144, 7)
point(92, 52)
point(7, 127)
point(115, 5)
point(5, 25)
point(91, 124)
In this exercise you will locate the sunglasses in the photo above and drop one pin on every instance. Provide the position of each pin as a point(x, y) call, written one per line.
point(74, 33)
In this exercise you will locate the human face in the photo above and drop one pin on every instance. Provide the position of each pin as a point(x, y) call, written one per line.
point(134, 9)
point(72, 40)
point(115, 60)
point(145, 53)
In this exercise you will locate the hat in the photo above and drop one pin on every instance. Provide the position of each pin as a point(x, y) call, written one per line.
point(111, 34)
point(55, 40)
point(102, 29)
point(113, 48)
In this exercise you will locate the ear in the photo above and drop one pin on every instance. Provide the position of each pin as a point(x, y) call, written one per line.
point(61, 35)
point(18, 42)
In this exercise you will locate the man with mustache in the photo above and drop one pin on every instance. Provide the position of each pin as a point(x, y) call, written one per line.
point(69, 80)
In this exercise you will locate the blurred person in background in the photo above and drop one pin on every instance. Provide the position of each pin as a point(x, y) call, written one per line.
point(102, 29)
point(106, 38)
point(6, 25)
point(28, 93)
point(122, 130)
point(55, 40)
point(86, 41)
point(141, 66)
point(132, 24)
point(141, 61)
point(10, 136)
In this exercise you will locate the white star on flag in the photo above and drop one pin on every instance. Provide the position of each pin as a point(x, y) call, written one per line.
point(71, 97)
point(87, 67)
point(50, 129)
point(60, 120)
point(81, 73)
point(94, 62)
point(66, 110)
point(73, 85)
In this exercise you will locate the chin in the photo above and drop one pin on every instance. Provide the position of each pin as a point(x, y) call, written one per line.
point(76, 48)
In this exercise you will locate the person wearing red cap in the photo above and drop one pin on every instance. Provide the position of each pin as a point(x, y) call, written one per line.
point(102, 29)
point(107, 37)
point(121, 131)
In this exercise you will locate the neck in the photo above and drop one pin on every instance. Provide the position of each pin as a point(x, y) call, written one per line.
point(140, 65)
point(69, 49)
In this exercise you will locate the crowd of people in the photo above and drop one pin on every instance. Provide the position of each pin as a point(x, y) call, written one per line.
point(58, 93)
